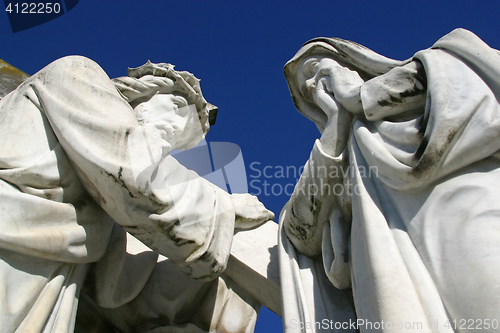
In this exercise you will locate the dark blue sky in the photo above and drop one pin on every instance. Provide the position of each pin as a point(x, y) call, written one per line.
point(238, 49)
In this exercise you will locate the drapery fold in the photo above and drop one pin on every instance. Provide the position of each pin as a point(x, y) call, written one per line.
point(67, 175)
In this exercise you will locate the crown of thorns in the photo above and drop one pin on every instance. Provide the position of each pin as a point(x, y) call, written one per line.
point(186, 81)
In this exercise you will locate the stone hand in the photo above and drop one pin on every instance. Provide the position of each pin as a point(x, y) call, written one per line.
point(342, 83)
point(336, 133)
point(249, 211)
point(325, 99)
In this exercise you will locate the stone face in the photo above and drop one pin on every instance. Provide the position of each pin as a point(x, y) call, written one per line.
point(397, 205)
point(84, 159)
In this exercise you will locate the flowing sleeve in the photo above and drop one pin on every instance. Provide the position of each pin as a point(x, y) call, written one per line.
point(125, 169)
point(318, 215)
point(319, 193)
point(400, 90)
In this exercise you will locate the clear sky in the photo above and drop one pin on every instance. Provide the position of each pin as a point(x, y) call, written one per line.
point(238, 49)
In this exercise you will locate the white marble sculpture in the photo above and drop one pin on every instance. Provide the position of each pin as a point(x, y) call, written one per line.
point(399, 198)
point(82, 154)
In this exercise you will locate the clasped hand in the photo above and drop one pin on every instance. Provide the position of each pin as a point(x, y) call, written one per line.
point(337, 93)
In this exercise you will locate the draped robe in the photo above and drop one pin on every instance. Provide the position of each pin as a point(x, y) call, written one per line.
point(68, 172)
point(415, 231)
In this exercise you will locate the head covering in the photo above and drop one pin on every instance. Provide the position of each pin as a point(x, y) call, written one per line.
point(357, 57)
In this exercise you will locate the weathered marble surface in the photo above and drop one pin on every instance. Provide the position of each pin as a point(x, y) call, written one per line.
point(399, 198)
point(10, 78)
point(73, 167)
point(251, 277)
point(253, 264)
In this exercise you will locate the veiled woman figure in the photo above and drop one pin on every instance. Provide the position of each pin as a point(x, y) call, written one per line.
point(399, 198)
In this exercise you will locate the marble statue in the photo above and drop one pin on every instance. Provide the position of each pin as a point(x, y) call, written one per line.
point(83, 160)
point(392, 227)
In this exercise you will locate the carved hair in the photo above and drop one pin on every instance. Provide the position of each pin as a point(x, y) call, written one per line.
point(136, 91)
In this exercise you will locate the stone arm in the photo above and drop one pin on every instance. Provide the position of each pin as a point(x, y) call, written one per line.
point(400, 90)
point(167, 207)
point(319, 195)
